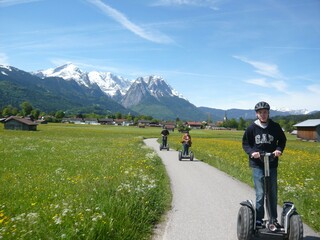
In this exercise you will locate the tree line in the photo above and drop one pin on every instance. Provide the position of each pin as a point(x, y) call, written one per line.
point(26, 109)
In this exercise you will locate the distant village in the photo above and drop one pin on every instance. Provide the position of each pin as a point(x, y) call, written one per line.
point(308, 130)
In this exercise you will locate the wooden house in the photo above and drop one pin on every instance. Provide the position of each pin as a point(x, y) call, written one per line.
point(73, 120)
point(92, 121)
point(309, 130)
point(169, 126)
point(195, 125)
point(106, 121)
point(143, 123)
point(19, 123)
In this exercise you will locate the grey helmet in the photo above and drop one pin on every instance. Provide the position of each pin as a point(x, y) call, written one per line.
point(262, 105)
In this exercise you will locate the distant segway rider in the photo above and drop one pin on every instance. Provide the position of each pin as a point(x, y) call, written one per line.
point(165, 134)
point(264, 135)
point(186, 142)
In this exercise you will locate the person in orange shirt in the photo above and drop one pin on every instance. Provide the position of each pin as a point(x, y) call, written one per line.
point(186, 142)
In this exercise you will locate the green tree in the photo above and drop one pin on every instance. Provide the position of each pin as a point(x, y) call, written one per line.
point(26, 108)
point(7, 111)
point(35, 113)
point(129, 117)
point(118, 115)
point(242, 124)
point(59, 114)
point(232, 123)
point(136, 119)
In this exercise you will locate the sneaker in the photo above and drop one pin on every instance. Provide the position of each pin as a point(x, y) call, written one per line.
point(258, 224)
point(278, 226)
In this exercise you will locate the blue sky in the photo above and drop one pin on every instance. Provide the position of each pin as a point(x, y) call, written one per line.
point(217, 53)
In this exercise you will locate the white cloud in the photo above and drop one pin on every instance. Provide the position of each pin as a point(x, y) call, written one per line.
point(296, 101)
point(315, 88)
point(279, 85)
point(150, 35)
point(265, 69)
point(4, 59)
point(258, 81)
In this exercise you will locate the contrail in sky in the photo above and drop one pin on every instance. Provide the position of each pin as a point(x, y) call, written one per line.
point(124, 21)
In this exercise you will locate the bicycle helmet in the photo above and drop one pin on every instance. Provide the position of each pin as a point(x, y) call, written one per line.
point(262, 105)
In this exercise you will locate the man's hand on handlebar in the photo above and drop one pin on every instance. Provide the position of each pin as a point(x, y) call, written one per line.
point(277, 153)
point(258, 155)
point(255, 155)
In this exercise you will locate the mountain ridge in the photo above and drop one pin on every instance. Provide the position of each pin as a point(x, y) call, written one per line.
point(148, 95)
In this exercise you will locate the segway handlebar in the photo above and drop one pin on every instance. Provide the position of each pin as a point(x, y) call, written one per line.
point(269, 154)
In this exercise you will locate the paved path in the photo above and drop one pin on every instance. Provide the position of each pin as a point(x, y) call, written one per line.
point(205, 201)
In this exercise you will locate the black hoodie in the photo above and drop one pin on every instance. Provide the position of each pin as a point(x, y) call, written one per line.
point(259, 139)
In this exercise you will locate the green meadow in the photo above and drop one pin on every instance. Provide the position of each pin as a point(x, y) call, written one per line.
point(69, 181)
point(80, 182)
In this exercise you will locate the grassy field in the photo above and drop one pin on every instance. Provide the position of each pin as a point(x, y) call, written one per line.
point(100, 182)
point(80, 182)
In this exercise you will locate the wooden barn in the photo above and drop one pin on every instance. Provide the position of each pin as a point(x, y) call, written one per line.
point(19, 123)
point(309, 130)
point(169, 126)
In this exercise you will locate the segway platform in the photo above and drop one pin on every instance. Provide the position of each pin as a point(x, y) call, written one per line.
point(164, 147)
point(291, 226)
point(189, 156)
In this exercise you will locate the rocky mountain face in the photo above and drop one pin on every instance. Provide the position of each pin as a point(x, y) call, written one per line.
point(149, 95)
point(136, 94)
point(54, 93)
point(112, 85)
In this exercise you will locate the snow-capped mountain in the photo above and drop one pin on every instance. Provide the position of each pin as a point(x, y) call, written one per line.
point(109, 83)
point(53, 93)
point(67, 72)
point(113, 86)
point(294, 112)
point(148, 87)
point(158, 87)
point(149, 95)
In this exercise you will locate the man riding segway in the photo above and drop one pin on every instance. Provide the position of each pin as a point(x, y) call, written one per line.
point(264, 135)
point(164, 134)
point(264, 141)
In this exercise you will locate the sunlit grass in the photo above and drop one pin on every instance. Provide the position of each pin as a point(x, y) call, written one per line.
point(101, 182)
point(80, 182)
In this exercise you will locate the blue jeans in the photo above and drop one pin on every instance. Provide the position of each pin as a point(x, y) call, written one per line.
point(185, 149)
point(164, 141)
point(258, 179)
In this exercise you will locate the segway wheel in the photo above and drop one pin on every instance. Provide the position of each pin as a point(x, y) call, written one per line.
point(191, 156)
point(168, 147)
point(295, 228)
point(180, 155)
point(245, 223)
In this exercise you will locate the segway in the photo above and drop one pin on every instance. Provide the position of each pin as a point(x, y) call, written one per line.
point(190, 155)
point(291, 227)
point(164, 144)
